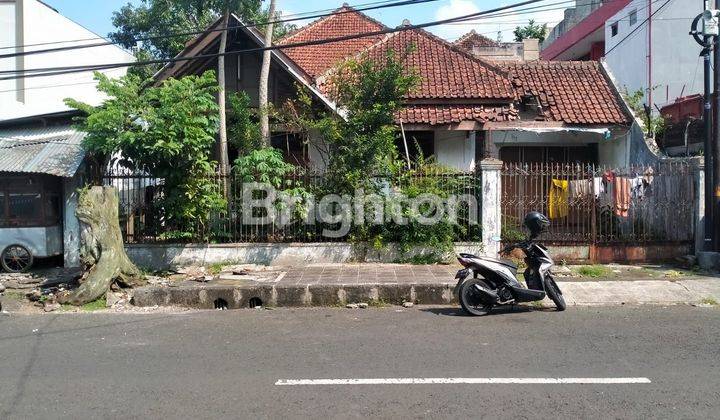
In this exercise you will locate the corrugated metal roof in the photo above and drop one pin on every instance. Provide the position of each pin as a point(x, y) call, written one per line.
point(42, 150)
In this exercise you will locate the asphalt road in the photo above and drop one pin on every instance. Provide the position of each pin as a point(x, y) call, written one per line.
point(226, 364)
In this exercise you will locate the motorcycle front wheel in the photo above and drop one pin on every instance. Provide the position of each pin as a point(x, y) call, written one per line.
point(472, 301)
point(554, 293)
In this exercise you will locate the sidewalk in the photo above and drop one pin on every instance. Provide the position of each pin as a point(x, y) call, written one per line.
point(387, 284)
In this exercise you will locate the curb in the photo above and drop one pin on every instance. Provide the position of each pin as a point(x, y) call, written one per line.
point(238, 297)
point(209, 296)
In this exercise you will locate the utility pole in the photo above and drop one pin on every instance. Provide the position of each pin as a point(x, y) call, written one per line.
point(716, 138)
point(705, 37)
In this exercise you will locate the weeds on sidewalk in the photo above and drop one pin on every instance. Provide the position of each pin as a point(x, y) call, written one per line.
point(709, 301)
point(593, 271)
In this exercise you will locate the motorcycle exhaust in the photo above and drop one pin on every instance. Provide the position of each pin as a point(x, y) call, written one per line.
point(489, 294)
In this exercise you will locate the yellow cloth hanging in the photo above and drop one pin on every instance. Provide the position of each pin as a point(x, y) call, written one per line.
point(558, 199)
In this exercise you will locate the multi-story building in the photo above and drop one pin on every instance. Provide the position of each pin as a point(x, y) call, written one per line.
point(645, 44)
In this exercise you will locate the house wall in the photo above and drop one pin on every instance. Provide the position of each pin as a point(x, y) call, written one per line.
point(674, 69)
point(455, 148)
point(614, 152)
point(243, 74)
point(29, 22)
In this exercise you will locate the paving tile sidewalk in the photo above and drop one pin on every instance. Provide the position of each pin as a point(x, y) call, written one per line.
point(368, 274)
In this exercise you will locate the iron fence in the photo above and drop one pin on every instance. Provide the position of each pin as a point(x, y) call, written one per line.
point(586, 204)
point(601, 205)
point(142, 217)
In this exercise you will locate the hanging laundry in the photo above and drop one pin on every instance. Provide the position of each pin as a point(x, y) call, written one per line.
point(621, 194)
point(598, 186)
point(637, 187)
point(580, 189)
point(558, 199)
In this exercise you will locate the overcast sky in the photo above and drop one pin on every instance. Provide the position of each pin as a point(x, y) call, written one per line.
point(98, 17)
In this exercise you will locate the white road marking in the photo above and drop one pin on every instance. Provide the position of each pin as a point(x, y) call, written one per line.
point(427, 381)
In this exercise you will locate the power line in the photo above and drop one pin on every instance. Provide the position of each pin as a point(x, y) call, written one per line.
point(54, 71)
point(186, 34)
point(141, 39)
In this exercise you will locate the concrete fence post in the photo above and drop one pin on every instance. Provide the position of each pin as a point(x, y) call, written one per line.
point(490, 213)
point(699, 206)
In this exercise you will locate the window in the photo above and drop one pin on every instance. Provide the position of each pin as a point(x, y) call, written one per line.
point(421, 144)
point(614, 29)
point(633, 17)
point(24, 208)
point(30, 201)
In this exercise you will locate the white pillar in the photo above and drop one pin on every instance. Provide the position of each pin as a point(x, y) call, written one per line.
point(490, 213)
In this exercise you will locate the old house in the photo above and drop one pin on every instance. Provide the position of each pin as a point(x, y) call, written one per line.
point(465, 107)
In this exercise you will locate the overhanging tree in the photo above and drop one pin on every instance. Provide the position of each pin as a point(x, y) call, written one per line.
point(167, 131)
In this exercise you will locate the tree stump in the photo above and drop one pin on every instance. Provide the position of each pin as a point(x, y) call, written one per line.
point(102, 250)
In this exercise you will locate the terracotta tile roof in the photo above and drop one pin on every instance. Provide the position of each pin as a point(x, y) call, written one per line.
point(450, 114)
point(445, 71)
point(474, 39)
point(317, 59)
point(574, 92)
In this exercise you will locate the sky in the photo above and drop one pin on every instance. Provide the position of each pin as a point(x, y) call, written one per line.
point(98, 18)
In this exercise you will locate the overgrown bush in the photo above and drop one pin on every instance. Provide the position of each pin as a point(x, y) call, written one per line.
point(167, 132)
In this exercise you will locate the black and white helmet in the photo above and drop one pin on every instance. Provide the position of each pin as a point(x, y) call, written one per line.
point(536, 223)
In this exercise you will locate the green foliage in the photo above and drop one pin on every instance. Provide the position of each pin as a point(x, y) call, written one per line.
point(167, 131)
point(370, 91)
point(243, 128)
point(532, 30)
point(654, 125)
point(267, 166)
point(96, 305)
point(593, 271)
point(709, 301)
point(512, 230)
point(263, 165)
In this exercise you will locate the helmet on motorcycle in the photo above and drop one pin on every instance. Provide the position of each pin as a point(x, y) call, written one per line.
point(536, 223)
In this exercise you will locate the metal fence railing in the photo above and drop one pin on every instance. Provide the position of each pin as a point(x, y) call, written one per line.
point(598, 204)
point(586, 204)
point(142, 221)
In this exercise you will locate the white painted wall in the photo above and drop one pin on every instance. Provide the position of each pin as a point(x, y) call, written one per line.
point(455, 149)
point(35, 23)
point(614, 152)
point(676, 65)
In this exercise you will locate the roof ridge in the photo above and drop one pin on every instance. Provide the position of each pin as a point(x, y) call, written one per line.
point(333, 14)
point(465, 37)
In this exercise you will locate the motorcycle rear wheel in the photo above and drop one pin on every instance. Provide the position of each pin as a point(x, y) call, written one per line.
point(554, 293)
point(471, 300)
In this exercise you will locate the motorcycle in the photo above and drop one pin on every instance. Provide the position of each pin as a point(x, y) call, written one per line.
point(486, 282)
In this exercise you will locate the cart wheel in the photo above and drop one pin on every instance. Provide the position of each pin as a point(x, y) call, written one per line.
point(16, 259)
